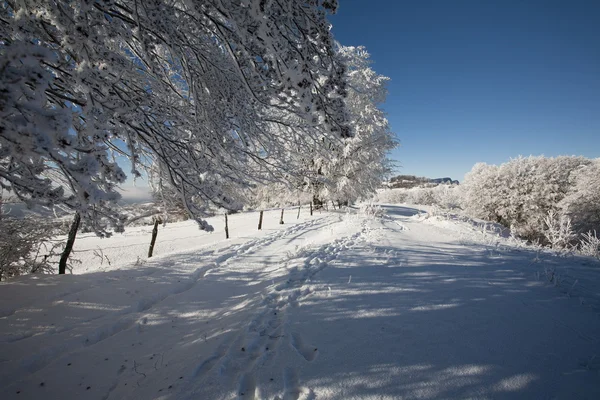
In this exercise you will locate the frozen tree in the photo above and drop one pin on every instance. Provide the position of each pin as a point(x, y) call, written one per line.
point(206, 89)
point(358, 165)
point(42, 161)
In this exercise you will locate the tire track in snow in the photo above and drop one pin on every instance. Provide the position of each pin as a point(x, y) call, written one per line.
point(257, 344)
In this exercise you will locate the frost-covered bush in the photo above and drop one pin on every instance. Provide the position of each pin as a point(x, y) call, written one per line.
point(590, 244)
point(582, 203)
point(391, 196)
point(275, 195)
point(558, 231)
point(25, 247)
point(371, 210)
point(423, 196)
point(481, 191)
point(520, 193)
point(447, 196)
point(444, 196)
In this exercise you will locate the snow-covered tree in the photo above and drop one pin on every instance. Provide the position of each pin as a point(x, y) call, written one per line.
point(205, 88)
point(358, 165)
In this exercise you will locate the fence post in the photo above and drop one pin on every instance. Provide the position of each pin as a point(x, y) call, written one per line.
point(281, 219)
point(310, 208)
point(154, 234)
point(260, 220)
point(299, 205)
point(226, 227)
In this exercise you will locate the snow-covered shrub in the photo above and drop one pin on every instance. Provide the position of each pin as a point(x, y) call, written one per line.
point(521, 192)
point(582, 203)
point(371, 210)
point(559, 231)
point(275, 195)
point(26, 247)
point(480, 192)
point(589, 244)
point(391, 196)
point(447, 196)
point(444, 196)
point(422, 196)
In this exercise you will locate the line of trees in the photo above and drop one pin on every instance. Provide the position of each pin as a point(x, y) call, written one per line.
point(210, 100)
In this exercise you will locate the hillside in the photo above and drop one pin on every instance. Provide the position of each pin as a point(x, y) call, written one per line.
point(410, 181)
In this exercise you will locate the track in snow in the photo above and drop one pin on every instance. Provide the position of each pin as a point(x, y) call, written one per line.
point(335, 307)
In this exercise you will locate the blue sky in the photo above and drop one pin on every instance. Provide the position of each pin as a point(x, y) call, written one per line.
point(482, 81)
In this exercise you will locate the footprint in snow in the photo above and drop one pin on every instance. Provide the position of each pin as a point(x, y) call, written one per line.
point(307, 351)
point(292, 389)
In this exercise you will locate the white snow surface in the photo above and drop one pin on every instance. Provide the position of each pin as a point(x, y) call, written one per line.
point(339, 305)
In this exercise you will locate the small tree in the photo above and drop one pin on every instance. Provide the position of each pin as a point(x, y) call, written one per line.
point(26, 247)
point(590, 244)
point(558, 232)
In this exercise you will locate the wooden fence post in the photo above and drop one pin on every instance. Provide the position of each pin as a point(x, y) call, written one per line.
point(226, 227)
point(299, 205)
point(260, 220)
point(281, 219)
point(310, 208)
point(154, 234)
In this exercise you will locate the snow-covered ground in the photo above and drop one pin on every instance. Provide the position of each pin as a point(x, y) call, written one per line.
point(339, 305)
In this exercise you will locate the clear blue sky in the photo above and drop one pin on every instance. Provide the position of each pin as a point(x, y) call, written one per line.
point(482, 80)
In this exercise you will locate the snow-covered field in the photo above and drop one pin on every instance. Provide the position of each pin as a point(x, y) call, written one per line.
point(339, 305)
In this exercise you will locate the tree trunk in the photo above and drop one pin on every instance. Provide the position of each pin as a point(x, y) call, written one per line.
point(226, 227)
point(260, 220)
point(62, 264)
point(281, 219)
point(299, 205)
point(333, 204)
point(311, 208)
point(154, 233)
point(318, 203)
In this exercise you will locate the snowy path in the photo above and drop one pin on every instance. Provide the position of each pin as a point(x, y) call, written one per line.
point(330, 307)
